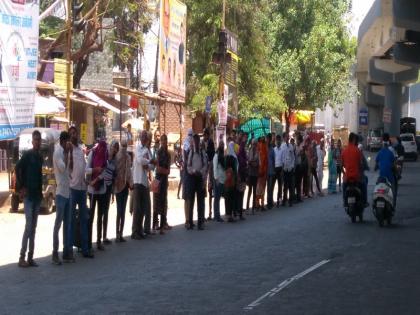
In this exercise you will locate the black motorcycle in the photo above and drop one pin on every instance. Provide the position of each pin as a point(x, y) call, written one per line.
point(353, 202)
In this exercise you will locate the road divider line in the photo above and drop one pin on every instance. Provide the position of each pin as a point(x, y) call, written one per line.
point(285, 284)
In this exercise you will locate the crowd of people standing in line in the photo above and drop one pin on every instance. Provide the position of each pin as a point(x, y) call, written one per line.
point(111, 172)
point(295, 165)
point(107, 173)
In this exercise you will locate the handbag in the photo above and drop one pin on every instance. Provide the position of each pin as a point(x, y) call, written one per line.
point(155, 186)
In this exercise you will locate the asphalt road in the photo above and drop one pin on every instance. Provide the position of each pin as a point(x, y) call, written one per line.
point(242, 267)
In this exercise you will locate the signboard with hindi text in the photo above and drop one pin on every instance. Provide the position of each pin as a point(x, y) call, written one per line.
point(231, 71)
point(172, 49)
point(60, 73)
point(18, 65)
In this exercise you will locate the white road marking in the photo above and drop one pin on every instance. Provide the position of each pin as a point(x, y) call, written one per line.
point(284, 284)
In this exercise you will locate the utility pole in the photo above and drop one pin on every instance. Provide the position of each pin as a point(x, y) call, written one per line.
point(68, 63)
point(222, 64)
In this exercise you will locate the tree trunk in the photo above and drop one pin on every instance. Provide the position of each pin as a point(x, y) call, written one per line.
point(80, 69)
point(89, 45)
point(288, 117)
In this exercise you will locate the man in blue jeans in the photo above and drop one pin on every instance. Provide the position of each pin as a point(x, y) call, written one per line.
point(78, 192)
point(29, 184)
point(62, 199)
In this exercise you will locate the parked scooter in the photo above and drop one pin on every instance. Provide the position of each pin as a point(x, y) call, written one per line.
point(354, 202)
point(383, 201)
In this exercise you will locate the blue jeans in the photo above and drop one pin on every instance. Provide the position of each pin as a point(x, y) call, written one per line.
point(121, 198)
point(78, 197)
point(63, 215)
point(31, 208)
point(218, 192)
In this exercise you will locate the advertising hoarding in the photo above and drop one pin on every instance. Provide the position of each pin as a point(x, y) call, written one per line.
point(18, 65)
point(172, 49)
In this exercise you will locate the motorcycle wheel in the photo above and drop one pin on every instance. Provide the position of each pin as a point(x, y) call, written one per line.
point(353, 219)
point(389, 221)
point(361, 218)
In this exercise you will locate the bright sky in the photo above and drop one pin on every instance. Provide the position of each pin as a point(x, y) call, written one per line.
point(360, 9)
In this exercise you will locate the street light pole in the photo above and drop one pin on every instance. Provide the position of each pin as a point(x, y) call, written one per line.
point(68, 63)
point(224, 14)
point(222, 64)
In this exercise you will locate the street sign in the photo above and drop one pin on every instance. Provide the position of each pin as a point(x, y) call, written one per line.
point(387, 116)
point(60, 73)
point(232, 41)
point(363, 117)
point(231, 70)
point(220, 134)
point(222, 107)
point(209, 100)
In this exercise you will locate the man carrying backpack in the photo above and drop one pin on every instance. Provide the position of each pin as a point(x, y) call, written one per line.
point(197, 168)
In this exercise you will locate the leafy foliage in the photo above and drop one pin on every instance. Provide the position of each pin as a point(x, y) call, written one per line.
point(311, 51)
point(50, 26)
point(257, 91)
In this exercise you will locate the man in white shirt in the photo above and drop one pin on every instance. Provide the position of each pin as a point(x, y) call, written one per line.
point(288, 164)
point(78, 189)
point(62, 198)
point(197, 167)
point(142, 164)
point(278, 168)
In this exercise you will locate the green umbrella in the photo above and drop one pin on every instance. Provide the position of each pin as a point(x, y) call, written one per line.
point(260, 127)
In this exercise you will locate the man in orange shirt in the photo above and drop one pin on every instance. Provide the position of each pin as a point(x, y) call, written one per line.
point(351, 159)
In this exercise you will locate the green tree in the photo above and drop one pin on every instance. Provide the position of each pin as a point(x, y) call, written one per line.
point(258, 93)
point(131, 19)
point(311, 52)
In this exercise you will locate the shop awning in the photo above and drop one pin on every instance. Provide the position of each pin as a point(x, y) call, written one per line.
point(149, 96)
point(100, 101)
point(302, 117)
point(48, 105)
point(136, 123)
point(59, 119)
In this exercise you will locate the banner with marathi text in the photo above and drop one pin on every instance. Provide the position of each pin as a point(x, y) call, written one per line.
point(172, 49)
point(19, 30)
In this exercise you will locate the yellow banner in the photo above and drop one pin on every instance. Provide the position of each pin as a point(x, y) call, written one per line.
point(83, 132)
point(60, 73)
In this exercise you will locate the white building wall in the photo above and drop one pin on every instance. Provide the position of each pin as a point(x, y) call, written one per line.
point(344, 115)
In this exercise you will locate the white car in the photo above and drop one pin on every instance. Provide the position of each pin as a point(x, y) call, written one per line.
point(409, 143)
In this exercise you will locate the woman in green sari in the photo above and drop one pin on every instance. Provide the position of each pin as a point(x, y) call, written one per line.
point(332, 169)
